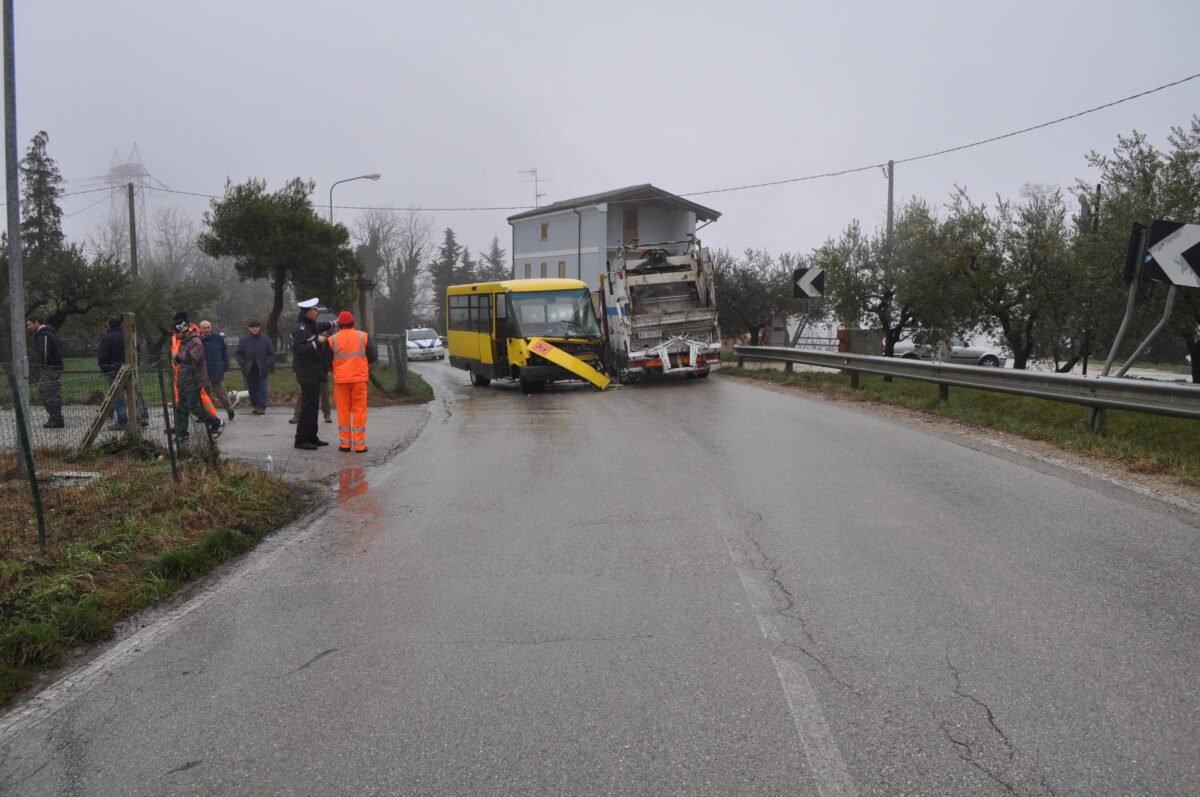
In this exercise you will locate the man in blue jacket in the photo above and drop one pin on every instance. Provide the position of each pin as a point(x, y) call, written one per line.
point(217, 354)
point(110, 359)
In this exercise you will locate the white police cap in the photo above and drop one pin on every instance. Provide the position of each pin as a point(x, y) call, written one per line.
point(308, 304)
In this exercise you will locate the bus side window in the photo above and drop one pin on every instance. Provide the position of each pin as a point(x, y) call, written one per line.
point(459, 313)
point(485, 314)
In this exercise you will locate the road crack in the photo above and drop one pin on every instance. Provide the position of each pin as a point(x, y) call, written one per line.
point(965, 750)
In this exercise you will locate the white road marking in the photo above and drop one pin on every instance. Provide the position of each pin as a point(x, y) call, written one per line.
point(816, 740)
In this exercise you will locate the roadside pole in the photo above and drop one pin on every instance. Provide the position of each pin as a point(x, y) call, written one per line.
point(16, 279)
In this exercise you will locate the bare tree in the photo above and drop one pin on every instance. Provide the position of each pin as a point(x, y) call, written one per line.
point(110, 239)
point(402, 264)
point(173, 253)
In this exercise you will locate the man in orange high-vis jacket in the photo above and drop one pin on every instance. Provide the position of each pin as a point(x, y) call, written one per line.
point(353, 354)
point(182, 328)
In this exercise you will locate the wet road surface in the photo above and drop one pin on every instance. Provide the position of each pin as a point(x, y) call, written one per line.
point(691, 587)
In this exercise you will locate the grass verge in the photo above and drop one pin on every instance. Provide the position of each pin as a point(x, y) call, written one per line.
point(283, 390)
point(134, 537)
point(1143, 443)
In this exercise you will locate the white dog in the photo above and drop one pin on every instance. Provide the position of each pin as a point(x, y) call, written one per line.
point(235, 396)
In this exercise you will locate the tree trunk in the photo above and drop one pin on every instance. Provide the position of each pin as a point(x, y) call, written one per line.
point(278, 284)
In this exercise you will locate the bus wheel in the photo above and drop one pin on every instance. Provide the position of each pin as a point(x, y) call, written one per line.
point(479, 381)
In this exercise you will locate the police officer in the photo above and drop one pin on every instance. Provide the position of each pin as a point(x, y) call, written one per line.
point(311, 360)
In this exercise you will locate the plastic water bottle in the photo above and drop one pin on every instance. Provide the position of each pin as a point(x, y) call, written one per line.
point(270, 464)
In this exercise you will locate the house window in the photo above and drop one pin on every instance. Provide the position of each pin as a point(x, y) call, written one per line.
point(528, 270)
point(631, 226)
point(562, 269)
point(545, 230)
point(543, 270)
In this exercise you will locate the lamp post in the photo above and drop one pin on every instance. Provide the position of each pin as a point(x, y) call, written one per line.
point(364, 283)
point(347, 180)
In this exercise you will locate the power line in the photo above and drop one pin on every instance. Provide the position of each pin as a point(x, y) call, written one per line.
point(355, 207)
point(959, 148)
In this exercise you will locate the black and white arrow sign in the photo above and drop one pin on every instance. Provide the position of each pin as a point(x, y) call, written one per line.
point(1174, 251)
point(808, 283)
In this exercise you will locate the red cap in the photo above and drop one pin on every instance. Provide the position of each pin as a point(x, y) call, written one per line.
point(346, 319)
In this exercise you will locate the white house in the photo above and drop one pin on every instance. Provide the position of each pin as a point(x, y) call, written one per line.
point(575, 238)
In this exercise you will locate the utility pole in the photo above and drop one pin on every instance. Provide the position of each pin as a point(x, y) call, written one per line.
point(16, 278)
point(891, 175)
point(133, 267)
point(891, 171)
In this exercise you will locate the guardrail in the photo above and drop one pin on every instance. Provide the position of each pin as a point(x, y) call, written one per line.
point(1137, 395)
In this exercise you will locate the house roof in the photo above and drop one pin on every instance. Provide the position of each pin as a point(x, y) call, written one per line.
point(644, 195)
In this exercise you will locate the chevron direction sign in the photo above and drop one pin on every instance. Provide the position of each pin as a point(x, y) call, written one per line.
point(808, 283)
point(1173, 254)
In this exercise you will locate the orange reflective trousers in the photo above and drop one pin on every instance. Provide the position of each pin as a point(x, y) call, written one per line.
point(351, 401)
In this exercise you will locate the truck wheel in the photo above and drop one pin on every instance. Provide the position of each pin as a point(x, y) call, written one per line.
point(703, 374)
point(479, 381)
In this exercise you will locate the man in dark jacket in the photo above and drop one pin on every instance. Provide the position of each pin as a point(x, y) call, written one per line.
point(110, 359)
point(46, 359)
point(217, 353)
point(256, 357)
point(311, 360)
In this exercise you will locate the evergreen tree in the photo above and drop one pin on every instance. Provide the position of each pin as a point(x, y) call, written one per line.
point(60, 281)
point(494, 265)
point(467, 268)
point(41, 218)
point(443, 272)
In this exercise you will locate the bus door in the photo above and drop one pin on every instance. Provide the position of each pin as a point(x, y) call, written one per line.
point(500, 338)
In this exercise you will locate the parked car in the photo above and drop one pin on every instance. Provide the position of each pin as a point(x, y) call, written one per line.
point(960, 352)
point(423, 343)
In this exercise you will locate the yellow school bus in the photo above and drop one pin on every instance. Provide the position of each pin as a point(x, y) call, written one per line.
point(532, 331)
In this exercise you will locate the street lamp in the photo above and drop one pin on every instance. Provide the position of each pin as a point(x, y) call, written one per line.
point(348, 179)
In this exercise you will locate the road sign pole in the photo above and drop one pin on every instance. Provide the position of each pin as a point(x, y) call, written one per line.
point(1133, 270)
point(1166, 316)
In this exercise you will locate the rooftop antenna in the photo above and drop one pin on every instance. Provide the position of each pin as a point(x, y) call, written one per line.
point(532, 170)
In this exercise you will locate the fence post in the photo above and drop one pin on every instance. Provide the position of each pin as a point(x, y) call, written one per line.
point(169, 426)
point(399, 355)
point(943, 392)
point(133, 386)
point(27, 456)
point(854, 380)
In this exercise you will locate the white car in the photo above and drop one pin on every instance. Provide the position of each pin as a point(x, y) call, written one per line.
point(423, 343)
point(960, 353)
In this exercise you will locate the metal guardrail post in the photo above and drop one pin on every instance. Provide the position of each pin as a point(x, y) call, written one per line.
point(27, 455)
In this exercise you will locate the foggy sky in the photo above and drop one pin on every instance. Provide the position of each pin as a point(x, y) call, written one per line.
point(450, 100)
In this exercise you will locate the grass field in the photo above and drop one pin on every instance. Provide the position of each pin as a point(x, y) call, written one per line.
point(1143, 443)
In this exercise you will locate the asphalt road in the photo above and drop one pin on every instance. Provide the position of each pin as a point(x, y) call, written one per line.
point(691, 587)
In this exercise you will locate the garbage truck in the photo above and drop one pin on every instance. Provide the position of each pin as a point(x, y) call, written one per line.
point(658, 309)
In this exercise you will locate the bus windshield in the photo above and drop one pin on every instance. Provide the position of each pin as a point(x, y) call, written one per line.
point(555, 314)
